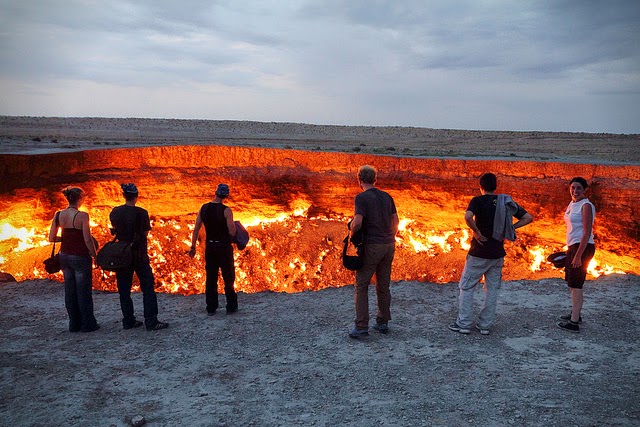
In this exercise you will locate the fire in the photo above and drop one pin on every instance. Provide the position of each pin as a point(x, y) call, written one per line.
point(26, 239)
point(296, 207)
point(538, 255)
point(274, 258)
point(596, 271)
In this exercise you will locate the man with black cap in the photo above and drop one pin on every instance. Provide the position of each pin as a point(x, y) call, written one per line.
point(220, 229)
point(131, 223)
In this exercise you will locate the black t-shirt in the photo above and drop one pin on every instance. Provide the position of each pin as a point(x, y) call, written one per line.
point(376, 208)
point(484, 211)
point(131, 224)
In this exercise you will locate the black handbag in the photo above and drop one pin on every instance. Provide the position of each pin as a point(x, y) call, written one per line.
point(52, 264)
point(115, 255)
point(351, 262)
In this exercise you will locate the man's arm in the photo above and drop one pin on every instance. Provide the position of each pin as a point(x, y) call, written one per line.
point(194, 236)
point(468, 218)
point(230, 224)
point(356, 224)
point(395, 222)
point(526, 219)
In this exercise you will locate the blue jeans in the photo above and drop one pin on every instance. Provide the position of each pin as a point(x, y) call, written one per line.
point(124, 280)
point(78, 298)
point(474, 269)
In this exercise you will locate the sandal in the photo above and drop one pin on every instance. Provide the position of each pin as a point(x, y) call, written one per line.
point(158, 326)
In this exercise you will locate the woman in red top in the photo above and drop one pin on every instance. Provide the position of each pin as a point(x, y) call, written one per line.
point(76, 252)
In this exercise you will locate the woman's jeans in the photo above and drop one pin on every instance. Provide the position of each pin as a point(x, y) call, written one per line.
point(78, 298)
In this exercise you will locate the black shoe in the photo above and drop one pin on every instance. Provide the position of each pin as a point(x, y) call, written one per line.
point(135, 324)
point(158, 326)
point(232, 310)
point(569, 326)
point(211, 313)
point(567, 317)
point(383, 328)
point(95, 328)
point(358, 333)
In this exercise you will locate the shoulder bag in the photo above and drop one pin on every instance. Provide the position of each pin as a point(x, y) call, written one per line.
point(115, 255)
point(52, 264)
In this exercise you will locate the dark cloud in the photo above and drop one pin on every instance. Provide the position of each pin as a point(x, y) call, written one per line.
point(351, 54)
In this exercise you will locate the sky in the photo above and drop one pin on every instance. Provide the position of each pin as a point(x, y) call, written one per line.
point(517, 65)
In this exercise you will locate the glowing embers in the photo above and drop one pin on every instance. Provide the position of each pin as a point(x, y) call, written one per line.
point(290, 252)
point(19, 239)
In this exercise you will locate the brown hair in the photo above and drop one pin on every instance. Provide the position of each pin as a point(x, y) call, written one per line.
point(367, 174)
point(73, 194)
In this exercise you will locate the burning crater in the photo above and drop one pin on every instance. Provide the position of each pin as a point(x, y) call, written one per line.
point(296, 205)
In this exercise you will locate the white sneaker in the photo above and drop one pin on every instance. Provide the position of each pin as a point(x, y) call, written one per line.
point(482, 331)
point(456, 328)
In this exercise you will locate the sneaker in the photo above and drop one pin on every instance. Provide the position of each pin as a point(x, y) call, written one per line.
point(482, 331)
point(158, 326)
point(567, 317)
point(383, 328)
point(569, 326)
point(135, 324)
point(454, 327)
point(357, 333)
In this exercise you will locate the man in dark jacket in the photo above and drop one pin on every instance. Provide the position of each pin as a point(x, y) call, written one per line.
point(131, 223)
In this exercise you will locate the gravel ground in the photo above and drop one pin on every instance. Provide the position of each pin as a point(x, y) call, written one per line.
point(286, 359)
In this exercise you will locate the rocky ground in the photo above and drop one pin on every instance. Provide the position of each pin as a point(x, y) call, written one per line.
point(286, 359)
point(42, 134)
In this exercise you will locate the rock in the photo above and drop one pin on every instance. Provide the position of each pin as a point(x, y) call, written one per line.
point(138, 421)
point(6, 277)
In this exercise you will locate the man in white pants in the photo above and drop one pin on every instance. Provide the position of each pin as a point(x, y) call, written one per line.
point(490, 218)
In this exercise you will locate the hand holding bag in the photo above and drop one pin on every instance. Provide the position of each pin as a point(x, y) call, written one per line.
point(52, 264)
point(351, 262)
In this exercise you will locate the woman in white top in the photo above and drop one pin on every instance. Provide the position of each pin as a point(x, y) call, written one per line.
point(579, 218)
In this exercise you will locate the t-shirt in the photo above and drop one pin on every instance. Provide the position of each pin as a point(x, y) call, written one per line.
point(129, 220)
point(377, 208)
point(484, 211)
point(573, 220)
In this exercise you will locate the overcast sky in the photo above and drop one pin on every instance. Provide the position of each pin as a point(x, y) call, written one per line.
point(504, 65)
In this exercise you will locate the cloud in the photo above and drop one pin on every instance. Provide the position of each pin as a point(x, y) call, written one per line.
point(356, 58)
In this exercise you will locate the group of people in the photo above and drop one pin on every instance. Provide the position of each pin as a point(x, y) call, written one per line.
point(131, 224)
point(490, 216)
point(78, 249)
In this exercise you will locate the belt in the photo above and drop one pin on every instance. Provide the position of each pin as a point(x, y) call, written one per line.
point(215, 241)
